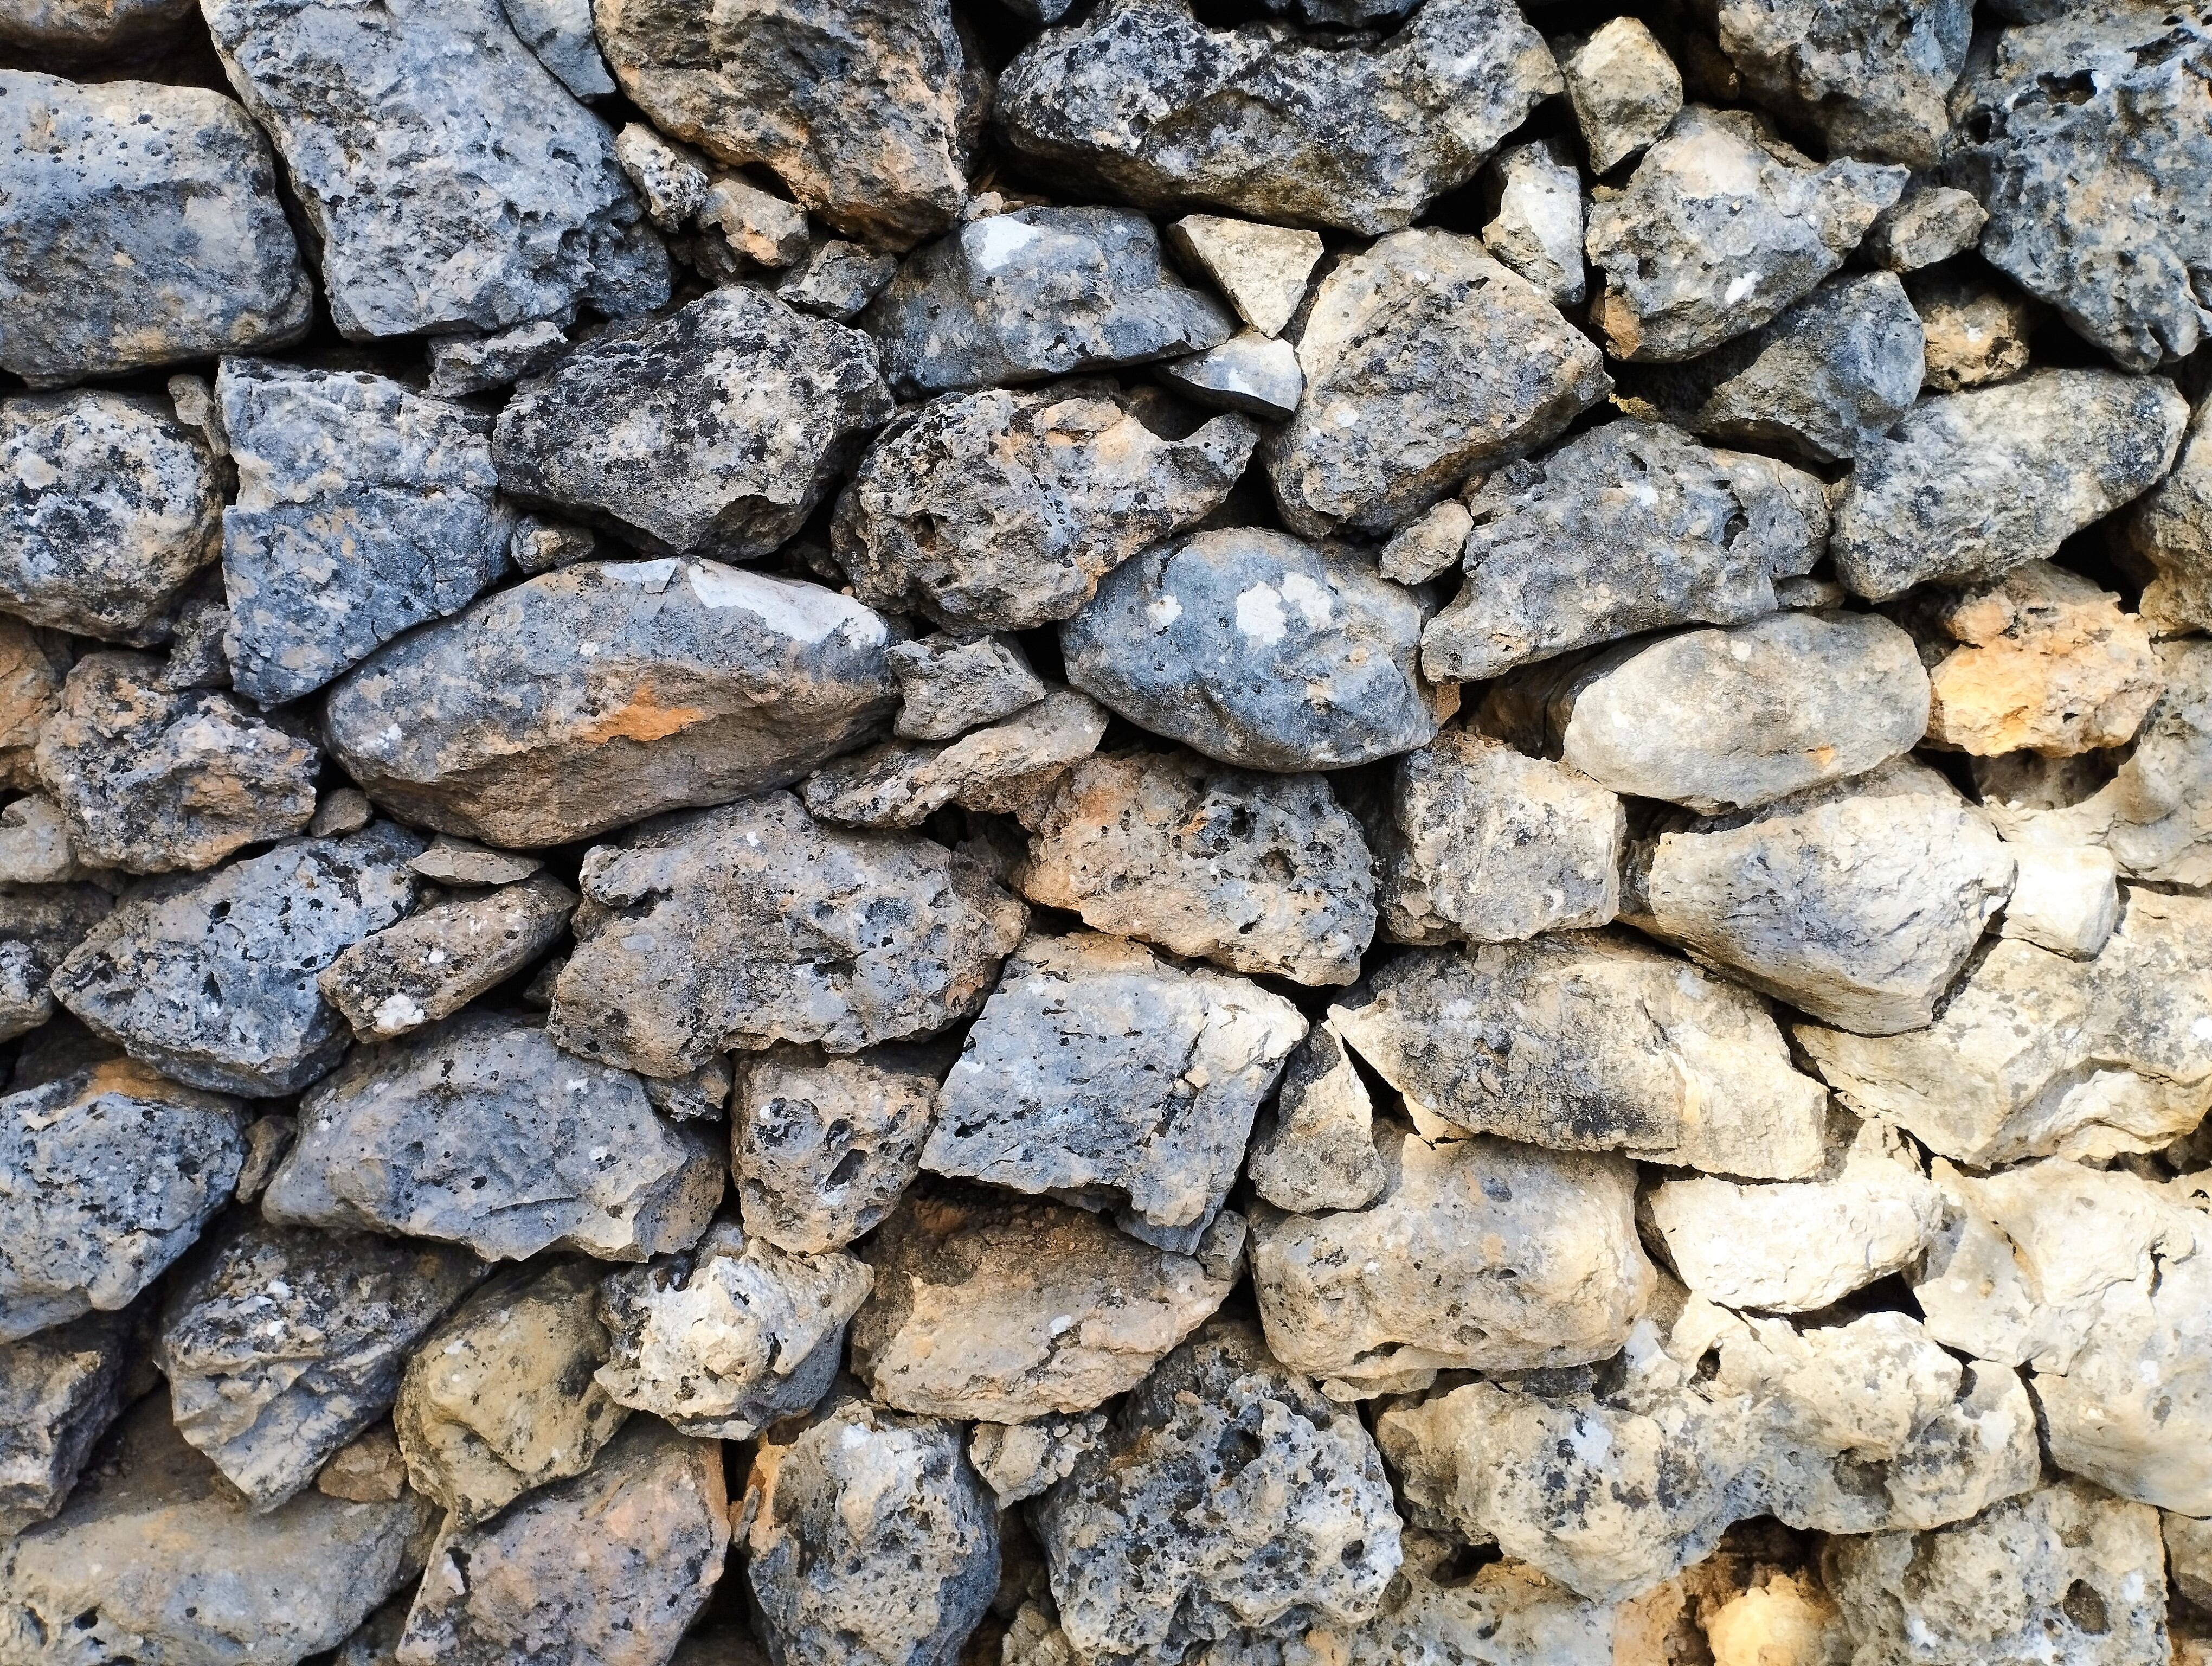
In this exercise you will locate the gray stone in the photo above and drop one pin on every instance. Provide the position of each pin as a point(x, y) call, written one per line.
point(1627, 527)
point(197, 658)
point(742, 926)
point(433, 963)
point(672, 178)
point(2171, 533)
point(1263, 270)
point(1975, 332)
point(453, 861)
point(151, 781)
point(452, 182)
point(1971, 485)
point(1930, 223)
point(1259, 650)
point(1001, 510)
point(1034, 293)
point(40, 926)
point(281, 1345)
point(559, 33)
point(997, 770)
point(111, 508)
point(2189, 1555)
point(950, 684)
point(1624, 89)
point(143, 229)
point(1147, 104)
point(835, 279)
point(716, 429)
point(1872, 77)
point(700, 1095)
point(1103, 1074)
point(1515, 1039)
point(111, 1172)
point(591, 696)
point(1315, 1151)
point(872, 1543)
point(33, 663)
point(210, 978)
point(58, 1393)
point(479, 364)
point(69, 30)
point(822, 1148)
point(34, 845)
point(1252, 372)
point(758, 226)
point(1720, 227)
point(482, 1132)
point(1538, 230)
point(1425, 363)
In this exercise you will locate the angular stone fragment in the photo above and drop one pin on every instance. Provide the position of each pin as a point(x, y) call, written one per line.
point(465, 364)
point(1316, 1151)
point(762, 228)
point(32, 665)
point(1019, 1461)
point(40, 926)
point(700, 681)
point(143, 229)
point(1425, 363)
point(610, 1567)
point(1626, 527)
point(368, 1470)
point(1037, 292)
point(1001, 511)
point(1514, 1039)
point(210, 978)
point(1254, 373)
point(1624, 89)
point(72, 28)
point(1930, 223)
point(950, 684)
point(58, 1393)
point(1537, 231)
point(432, 964)
point(742, 926)
point(872, 1541)
point(1011, 1309)
point(34, 845)
point(1262, 269)
point(451, 861)
point(2065, 900)
point(2171, 532)
point(1148, 104)
point(837, 280)
point(2188, 1554)
point(822, 1148)
point(1872, 76)
point(1720, 228)
point(1975, 333)
point(1103, 1074)
point(559, 35)
point(482, 1132)
point(672, 179)
point(997, 770)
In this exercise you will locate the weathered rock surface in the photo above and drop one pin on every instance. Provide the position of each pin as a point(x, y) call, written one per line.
point(1627, 527)
point(1262, 269)
point(482, 1132)
point(34, 846)
point(997, 769)
point(559, 34)
point(143, 229)
point(949, 685)
point(1101, 1073)
point(452, 182)
point(2188, 1555)
point(480, 364)
point(1929, 224)
point(742, 926)
point(837, 280)
point(1316, 1151)
point(463, 862)
point(1623, 88)
point(1011, 1309)
point(1974, 332)
point(40, 925)
point(1873, 79)
point(32, 665)
point(72, 28)
point(1019, 1461)
point(2170, 532)
point(1512, 1039)
point(1254, 373)
point(1257, 873)
point(58, 1392)
point(1146, 102)
point(1425, 363)
point(761, 227)
point(672, 179)
point(210, 979)
point(1538, 230)
point(822, 1148)
point(1001, 511)
point(2065, 899)
point(702, 681)
point(432, 964)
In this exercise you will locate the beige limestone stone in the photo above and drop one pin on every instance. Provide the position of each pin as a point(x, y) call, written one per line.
point(1262, 269)
point(2066, 899)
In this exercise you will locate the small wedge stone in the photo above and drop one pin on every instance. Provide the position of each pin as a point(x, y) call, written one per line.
point(823, 1148)
point(1624, 88)
point(1262, 269)
point(432, 964)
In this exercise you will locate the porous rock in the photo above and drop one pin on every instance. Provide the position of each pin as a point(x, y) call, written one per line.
point(1538, 228)
point(1315, 1151)
point(1263, 270)
point(822, 1148)
point(40, 926)
point(672, 179)
point(1973, 332)
point(1872, 78)
point(1019, 1461)
point(1623, 88)
point(2171, 532)
point(949, 685)
point(432, 964)
point(58, 1392)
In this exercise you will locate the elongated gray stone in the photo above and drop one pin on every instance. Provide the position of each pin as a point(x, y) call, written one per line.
point(432, 964)
point(1873, 77)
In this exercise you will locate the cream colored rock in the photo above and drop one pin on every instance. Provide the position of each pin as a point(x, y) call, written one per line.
point(1315, 1150)
point(1507, 1615)
point(1262, 269)
point(2189, 1556)
point(1624, 89)
point(2066, 899)
point(369, 1471)
point(1020, 1460)
point(1975, 331)
point(32, 665)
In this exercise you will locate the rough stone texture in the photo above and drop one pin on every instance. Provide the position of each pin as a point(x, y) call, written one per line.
point(1316, 1151)
point(1623, 88)
point(837, 280)
point(611, 1566)
point(996, 769)
point(157, 1560)
point(106, 1176)
point(462, 862)
point(1538, 230)
point(2188, 1554)
point(2171, 532)
point(1034, 293)
point(1929, 224)
point(872, 1541)
point(481, 364)
point(1147, 103)
point(453, 183)
point(32, 665)
point(73, 28)
point(1011, 1309)
point(702, 681)
point(1720, 228)
point(1425, 361)
point(482, 1132)
point(1515, 1039)
point(210, 978)
point(363, 508)
point(949, 685)
point(1259, 650)
point(1001, 511)
point(1257, 873)
point(432, 964)
point(716, 429)
point(1627, 527)
point(559, 34)
point(2066, 899)
point(1974, 332)
point(1872, 78)
point(40, 926)
point(1971, 485)
point(281, 1345)
point(58, 1393)
point(822, 1148)
point(1254, 373)
point(672, 179)
point(1100, 1072)
point(1019, 1461)
point(143, 229)
point(739, 928)
point(759, 226)
point(34, 845)
point(1262, 269)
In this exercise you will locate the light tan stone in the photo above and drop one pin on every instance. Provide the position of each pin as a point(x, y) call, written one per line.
point(1262, 269)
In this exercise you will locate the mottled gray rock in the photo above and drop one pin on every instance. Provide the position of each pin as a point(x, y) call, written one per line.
point(1975, 331)
point(143, 229)
point(453, 183)
point(2064, 899)
point(197, 658)
point(1147, 104)
point(1035, 293)
point(1624, 89)
point(109, 1174)
point(453, 861)
point(1627, 527)
point(997, 771)
point(111, 508)
point(559, 33)
point(1262, 269)
point(2171, 532)
point(837, 280)
point(69, 30)
point(1538, 230)
point(999, 510)
point(742, 926)
point(1259, 872)
point(1515, 1039)
point(1012, 1309)
point(1425, 363)
point(1259, 650)
point(1720, 228)
point(1930, 223)
point(822, 1148)
point(715, 429)
point(539, 546)
point(1315, 1150)
point(700, 681)
point(1103, 1074)
point(1019, 1461)
point(482, 1132)
point(2189, 1555)
point(700, 1095)
point(150, 781)
point(58, 1393)
point(950, 684)
point(672, 179)
point(1872, 77)
point(478, 364)
point(34, 845)
point(1971, 485)
point(40, 926)
point(761, 226)
point(433, 963)
point(210, 978)
point(1252, 372)
point(872, 1543)
point(33, 663)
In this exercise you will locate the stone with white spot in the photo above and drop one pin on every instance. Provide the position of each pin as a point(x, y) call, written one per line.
point(1538, 229)
point(672, 178)
point(1252, 372)
point(431, 965)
